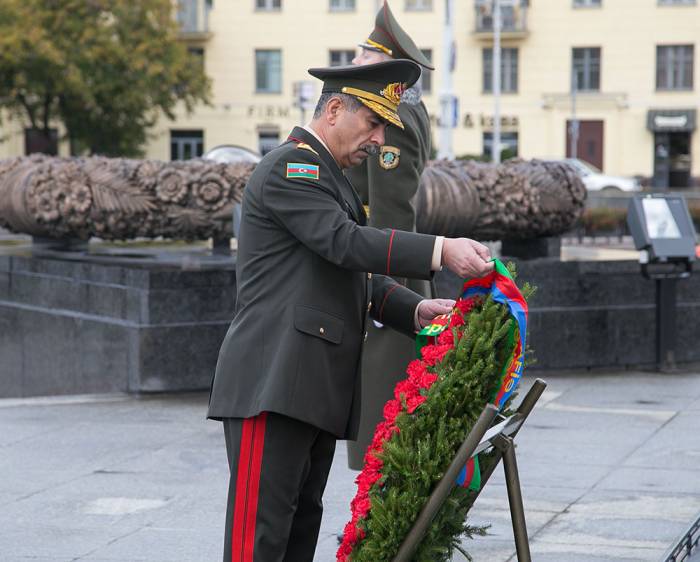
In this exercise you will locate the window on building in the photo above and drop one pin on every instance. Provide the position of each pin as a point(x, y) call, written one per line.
point(587, 3)
point(186, 144)
point(193, 15)
point(267, 140)
point(341, 57)
point(674, 67)
point(268, 71)
point(419, 5)
point(342, 5)
point(426, 77)
point(268, 5)
point(585, 68)
point(509, 145)
point(509, 70)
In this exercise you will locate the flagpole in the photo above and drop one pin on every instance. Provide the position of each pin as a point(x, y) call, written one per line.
point(447, 99)
point(496, 81)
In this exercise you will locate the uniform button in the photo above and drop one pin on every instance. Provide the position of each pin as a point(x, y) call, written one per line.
point(369, 306)
point(369, 276)
point(321, 330)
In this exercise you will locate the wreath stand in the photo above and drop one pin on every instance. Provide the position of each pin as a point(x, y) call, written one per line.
point(491, 431)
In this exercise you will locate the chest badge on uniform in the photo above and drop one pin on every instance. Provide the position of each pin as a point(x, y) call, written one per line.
point(306, 171)
point(389, 157)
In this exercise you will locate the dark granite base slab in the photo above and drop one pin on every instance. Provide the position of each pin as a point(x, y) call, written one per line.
point(597, 315)
point(73, 323)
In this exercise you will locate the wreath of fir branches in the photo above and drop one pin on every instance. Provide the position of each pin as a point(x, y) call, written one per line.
point(432, 412)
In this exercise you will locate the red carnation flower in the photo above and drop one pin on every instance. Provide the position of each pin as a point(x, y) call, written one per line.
point(391, 409)
point(382, 433)
point(446, 338)
point(406, 389)
point(362, 507)
point(465, 305)
point(457, 321)
point(432, 354)
point(413, 402)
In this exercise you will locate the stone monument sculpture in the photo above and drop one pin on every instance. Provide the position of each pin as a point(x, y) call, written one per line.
point(518, 199)
point(118, 199)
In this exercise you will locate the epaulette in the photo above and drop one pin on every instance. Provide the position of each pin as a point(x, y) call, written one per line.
point(306, 147)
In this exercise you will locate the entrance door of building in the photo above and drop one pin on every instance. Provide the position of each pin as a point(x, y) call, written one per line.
point(671, 160)
point(590, 142)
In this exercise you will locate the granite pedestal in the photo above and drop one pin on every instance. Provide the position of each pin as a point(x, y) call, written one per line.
point(77, 322)
point(74, 322)
point(598, 314)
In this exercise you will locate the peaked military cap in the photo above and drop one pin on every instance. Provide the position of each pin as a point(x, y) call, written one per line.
point(388, 37)
point(378, 86)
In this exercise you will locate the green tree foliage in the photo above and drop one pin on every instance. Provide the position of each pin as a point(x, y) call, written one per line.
point(107, 69)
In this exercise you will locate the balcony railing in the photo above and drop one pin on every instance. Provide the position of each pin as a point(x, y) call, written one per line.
point(193, 17)
point(513, 18)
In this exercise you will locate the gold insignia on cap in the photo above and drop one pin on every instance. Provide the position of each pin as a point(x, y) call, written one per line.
point(379, 46)
point(393, 92)
point(382, 106)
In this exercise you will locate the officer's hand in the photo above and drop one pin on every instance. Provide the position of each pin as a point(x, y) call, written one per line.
point(466, 257)
point(430, 308)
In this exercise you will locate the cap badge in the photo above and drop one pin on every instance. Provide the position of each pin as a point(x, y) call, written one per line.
point(393, 92)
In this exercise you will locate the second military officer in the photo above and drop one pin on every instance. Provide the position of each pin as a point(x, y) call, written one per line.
point(388, 182)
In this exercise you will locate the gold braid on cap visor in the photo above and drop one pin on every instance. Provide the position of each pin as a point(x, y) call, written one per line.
point(379, 46)
point(381, 106)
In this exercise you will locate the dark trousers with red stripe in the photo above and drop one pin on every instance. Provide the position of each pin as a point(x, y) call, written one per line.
point(279, 467)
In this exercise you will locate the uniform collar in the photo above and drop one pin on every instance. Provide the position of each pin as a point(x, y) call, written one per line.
point(308, 129)
point(309, 136)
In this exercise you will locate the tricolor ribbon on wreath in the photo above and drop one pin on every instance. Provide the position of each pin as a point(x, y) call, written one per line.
point(500, 285)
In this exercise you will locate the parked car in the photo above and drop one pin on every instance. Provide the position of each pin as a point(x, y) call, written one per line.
point(595, 180)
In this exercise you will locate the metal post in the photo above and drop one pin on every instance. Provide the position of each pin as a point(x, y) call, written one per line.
point(573, 130)
point(447, 97)
point(515, 500)
point(496, 80)
point(666, 324)
point(445, 486)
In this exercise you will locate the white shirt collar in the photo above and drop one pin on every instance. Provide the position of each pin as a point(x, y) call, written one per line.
point(308, 129)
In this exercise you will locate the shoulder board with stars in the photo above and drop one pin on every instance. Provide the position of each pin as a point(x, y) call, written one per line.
point(306, 147)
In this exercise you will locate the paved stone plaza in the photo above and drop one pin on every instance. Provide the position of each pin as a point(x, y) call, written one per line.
point(610, 466)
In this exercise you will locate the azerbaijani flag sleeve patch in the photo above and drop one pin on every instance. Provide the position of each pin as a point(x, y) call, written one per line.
point(306, 171)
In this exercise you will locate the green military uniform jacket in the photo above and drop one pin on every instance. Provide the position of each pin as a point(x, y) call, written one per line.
point(305, 290)
point(389, 182)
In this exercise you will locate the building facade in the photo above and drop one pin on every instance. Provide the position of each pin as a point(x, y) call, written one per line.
point(626, 71)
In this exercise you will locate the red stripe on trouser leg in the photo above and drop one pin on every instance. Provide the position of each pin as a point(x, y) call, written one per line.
point(254, 486)
point(241, 490)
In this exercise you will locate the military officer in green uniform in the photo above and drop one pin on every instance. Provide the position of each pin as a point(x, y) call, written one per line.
point(310, 274)
point(388, 182)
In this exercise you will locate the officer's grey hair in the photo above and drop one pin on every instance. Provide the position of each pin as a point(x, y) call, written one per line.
point(351, 103)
